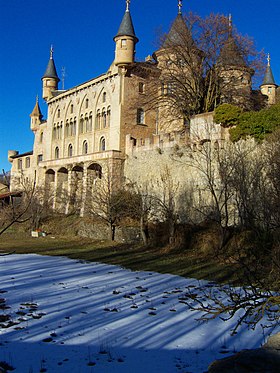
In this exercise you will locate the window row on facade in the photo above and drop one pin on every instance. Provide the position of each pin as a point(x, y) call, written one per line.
point(103, 119)
point(85, 148)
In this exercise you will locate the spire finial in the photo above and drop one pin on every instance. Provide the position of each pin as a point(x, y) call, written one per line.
point(37, 99)
point(180, 5)
point(127, 5)
point(51, 52)
point(268, 59)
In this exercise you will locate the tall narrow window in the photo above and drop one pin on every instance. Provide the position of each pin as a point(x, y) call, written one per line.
point(67, 130)
point(70, 150)
point(97, 121)
point(81, 124)
point(71, 108)
point(141, 87)
point(86, 103)
point(19, 164)
point(85, 147)
point(104, 118)
point(102, 146)
point(108, 116)
point(140, 116)
point(123, 43)
point(54, 132)
point(90, 122)
point(41, 136)
point(86, 123)
point(104, 97)
point(56, 153)
point(74, 126)
point(39, 158)
point(58, 113)
point(27, 162)
point(71, 127)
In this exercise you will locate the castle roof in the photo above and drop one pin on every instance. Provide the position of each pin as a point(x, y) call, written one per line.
point(126, 28)
point(51, 70)
point(36, 112)
point(178, 34)
point(268, 76)
point(231, 54)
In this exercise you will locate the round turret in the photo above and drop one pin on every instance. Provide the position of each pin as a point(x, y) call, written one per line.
point(125, 40)
point(50, 79)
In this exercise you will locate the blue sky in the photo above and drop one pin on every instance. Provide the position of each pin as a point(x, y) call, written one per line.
point(82, 34)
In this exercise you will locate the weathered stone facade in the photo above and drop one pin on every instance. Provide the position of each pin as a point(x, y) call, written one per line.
point(99, 125)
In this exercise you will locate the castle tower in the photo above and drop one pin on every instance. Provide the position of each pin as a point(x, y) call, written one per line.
point(36, 116)
point(125, 40)
point(50, 79)
point(268, 86)
point(235, 75)
point(178, 36)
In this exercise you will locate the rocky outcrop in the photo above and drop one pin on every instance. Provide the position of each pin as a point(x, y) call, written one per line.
point(262, 360)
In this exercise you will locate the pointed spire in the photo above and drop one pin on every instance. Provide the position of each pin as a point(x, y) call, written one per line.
point(231, 54)
point(180, 5)
point(179, 34)
point(126, 28)
point(268, 76)
point(51, 70)
point(36, 112)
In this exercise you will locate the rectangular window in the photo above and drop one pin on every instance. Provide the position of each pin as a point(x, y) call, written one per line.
point(39, 158)
point(140, 116)
point(141, 87)
point(123, 43)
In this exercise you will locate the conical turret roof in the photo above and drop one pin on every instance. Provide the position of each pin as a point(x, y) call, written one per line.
point(51, 69)
point(231, 54)
point(268, 76)
point(178, 34)
point(36, 112)
point(126, 28)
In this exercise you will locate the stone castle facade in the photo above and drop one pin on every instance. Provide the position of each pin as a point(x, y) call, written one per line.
point(104, 123)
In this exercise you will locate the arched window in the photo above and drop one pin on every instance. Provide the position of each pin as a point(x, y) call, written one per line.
point(104, 118)
point(140, 116)
point(108, 116)
point(97, 121)
point(81, 124)
point(71, 127)
point(70, 150)
point(104, 97)
point(58, 113)
point(90, 122)
point(102, 146)
point(56, 153)
point(86, 103)
point(86, 123)
point(27, 162)
point(71, 108)
point(67, 131)
point(19, 164)
point(41, 136)
point(74, 126)
point(85, 147)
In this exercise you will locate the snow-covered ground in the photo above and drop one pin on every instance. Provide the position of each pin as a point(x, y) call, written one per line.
point(73, 316)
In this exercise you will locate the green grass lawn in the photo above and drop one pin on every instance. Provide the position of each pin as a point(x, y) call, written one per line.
point(181, 262)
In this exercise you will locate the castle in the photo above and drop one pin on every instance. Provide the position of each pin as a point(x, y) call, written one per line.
point(106, 122)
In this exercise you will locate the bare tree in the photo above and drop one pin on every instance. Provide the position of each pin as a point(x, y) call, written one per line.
point(201, 63)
